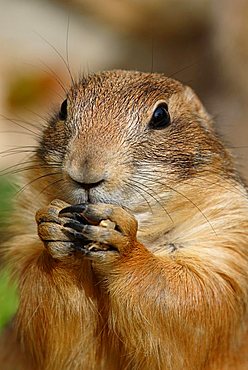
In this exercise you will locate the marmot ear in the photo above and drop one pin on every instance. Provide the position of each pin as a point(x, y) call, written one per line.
point(197, 105)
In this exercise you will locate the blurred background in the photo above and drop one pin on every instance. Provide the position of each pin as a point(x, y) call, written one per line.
point(203, 43)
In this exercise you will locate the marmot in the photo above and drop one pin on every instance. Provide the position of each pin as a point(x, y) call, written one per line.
point(140, 259)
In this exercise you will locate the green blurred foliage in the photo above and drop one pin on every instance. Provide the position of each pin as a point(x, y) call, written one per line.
point(8, 296)
point(6, 194)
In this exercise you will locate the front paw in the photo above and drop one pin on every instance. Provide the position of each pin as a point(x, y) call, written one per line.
point(52, 232)
point(109, 229)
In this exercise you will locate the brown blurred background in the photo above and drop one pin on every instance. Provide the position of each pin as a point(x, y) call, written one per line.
point(203, 43)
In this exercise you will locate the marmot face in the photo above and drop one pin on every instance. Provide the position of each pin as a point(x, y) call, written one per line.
point(129, 138)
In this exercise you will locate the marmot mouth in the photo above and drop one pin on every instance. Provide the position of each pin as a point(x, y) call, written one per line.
point(93, 195)
point(88, 186)
point(87, 191)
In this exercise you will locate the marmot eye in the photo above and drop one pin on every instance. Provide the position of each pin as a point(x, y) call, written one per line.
point(160, 118)
point(63, 111)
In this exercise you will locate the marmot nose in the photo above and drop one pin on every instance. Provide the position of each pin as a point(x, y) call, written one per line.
point(86, 176)
point(88, 172)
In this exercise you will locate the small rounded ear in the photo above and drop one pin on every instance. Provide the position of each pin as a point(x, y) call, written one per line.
point(197, 105)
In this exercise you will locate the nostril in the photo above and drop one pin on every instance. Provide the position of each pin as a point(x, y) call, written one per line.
point(88, 186)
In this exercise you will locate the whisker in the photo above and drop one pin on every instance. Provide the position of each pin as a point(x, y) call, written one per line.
point(172, 75)
point(18, 150)
point(144, 189)
point(67, 47)
point(17, 133)
point(221, 178)
point(6, 172)
point(16, 122)
point(50, 73)
point(152, 56)
point(36, 179)
point(237, 147)
point(43, 118)
point(59, 54)
point(184, 196)
point(31, 124)
point(56, 76)
point(53, 183)
point(19, 147)
point(237, 190)
point(17, 165)
point(133, 187)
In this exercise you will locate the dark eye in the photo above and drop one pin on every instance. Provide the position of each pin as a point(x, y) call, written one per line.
point(63, 111)
point(160, 118)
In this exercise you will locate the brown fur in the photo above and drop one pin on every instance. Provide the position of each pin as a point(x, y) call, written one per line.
point(174, 296)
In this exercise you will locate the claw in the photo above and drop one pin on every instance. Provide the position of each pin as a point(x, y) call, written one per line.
point(73, 213)
point(73, 209)
point(79, 218)
point(69, 230)
point(80, 247)
point(75, 225)
point(78, 212)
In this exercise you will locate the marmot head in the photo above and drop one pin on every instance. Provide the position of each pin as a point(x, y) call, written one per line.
point(129, 138)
